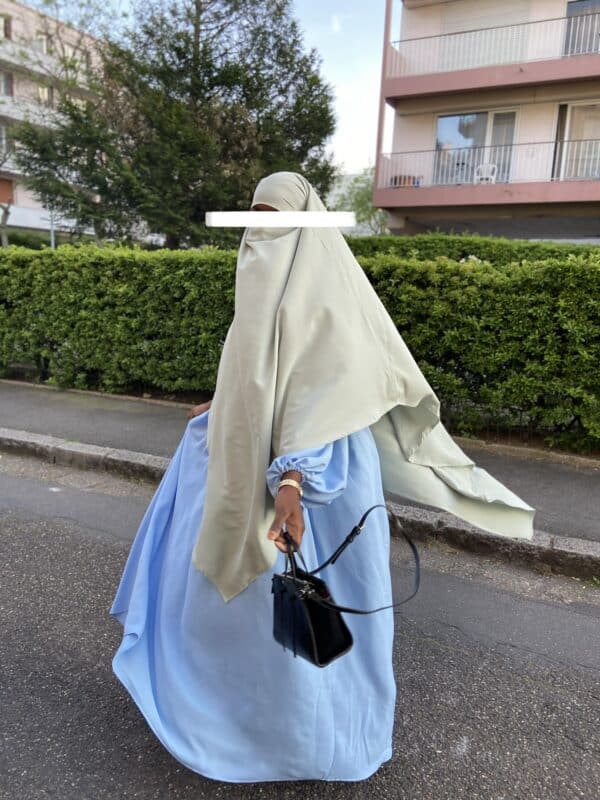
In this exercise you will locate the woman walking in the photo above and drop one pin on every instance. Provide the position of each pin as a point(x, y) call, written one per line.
point(315, 388)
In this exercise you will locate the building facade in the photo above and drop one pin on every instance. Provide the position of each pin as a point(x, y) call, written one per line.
point(34, 49)
point(495, 117)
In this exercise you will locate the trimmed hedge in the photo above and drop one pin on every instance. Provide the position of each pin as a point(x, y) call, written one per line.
point(517, 344)
point(486, 248)
point(36, 240)
point(110, 318)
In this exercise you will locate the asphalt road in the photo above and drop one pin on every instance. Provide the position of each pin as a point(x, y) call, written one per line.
point(497, 667)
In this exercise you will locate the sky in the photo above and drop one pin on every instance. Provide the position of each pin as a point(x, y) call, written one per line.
point(348, 35)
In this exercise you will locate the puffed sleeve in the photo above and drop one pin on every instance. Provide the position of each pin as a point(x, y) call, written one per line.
point(324, 471)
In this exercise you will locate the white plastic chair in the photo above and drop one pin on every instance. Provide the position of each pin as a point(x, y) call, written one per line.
point(485, 173)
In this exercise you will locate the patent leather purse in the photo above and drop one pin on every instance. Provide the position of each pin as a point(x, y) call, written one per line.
point(306, 619)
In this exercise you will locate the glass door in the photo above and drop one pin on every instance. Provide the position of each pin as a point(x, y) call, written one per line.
point(501, 141)
point(581, 151)
point(582, 34)
point(459, 144)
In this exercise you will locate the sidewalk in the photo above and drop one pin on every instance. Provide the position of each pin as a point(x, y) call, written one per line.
point(138, 437)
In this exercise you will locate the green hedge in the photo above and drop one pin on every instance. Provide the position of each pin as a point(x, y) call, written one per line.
point(112, 318)
point(36, 240)
point(517, 344)
point(486, 248)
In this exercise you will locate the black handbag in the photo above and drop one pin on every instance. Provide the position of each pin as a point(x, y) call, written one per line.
point(306, 620)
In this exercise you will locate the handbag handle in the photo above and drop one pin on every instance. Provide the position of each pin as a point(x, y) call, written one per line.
point(337, 553)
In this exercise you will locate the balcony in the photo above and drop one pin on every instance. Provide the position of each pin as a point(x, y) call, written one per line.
point(528, 172)
point(20, 109)
point(566, 48)
point(24, 57)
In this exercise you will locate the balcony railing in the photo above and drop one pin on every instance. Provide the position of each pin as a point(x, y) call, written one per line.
point(517, 163)
point(509, 44)
point(23, 56)
point(20, 108)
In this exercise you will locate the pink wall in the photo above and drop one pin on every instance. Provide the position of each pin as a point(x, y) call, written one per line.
point(489, 195)
point(505, 75)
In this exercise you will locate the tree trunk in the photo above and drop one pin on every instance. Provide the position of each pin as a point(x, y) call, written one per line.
point(196, 40)
point(172, 241)
point(3, 223)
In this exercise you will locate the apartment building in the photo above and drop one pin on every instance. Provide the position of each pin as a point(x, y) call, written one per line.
point(34, 48)
point(495, 117)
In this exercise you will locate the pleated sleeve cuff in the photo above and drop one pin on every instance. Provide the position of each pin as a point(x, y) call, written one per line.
point(324, 471)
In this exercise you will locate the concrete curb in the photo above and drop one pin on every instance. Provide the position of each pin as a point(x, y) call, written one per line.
point(546, 552)
point(570, 556)
point(83, 456)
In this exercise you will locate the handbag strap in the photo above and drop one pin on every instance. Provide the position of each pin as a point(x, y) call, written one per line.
point(338, 552)
point(348, 540)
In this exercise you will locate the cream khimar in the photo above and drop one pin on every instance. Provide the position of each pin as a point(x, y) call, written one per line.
point(312, 356)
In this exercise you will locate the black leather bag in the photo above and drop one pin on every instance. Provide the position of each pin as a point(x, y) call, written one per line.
point(306, 619)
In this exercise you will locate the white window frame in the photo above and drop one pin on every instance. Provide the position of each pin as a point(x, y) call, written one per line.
point(44, 94)
point(490, 112)
point(44, 38)
point(489, 128)
point(570, 103)
point(4, 80)
point(4, 18)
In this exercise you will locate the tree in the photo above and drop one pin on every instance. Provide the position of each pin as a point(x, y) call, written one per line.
point(199, 100)
point(83, 18)
point(59, 57)
point(358, 197)
point(6, 204)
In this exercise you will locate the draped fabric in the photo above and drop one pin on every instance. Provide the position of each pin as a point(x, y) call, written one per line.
point(310, 357)
point(221, 695)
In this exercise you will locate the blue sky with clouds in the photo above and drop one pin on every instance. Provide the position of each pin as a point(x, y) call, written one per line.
point(348, 36)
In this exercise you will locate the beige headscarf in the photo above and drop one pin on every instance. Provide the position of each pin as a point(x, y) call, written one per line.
point(312, 356)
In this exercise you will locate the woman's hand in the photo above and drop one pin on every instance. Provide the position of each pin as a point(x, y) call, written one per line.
point(288, 511)
point(195, 411)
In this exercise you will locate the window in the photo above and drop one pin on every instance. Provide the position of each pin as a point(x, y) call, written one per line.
point(71, 55)
point(41, 43)
point(3, 139)
point(6, 84)
point(45, 95)
point(575, 7)
point(466, 142)
point(7, 189)
point(461, 130)
point(583, 27)
point(580, 151)
point(5, 26)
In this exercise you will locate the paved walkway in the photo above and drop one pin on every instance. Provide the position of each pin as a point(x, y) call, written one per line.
point(566, 495)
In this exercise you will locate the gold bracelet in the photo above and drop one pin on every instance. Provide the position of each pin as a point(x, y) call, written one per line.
point(290, 482)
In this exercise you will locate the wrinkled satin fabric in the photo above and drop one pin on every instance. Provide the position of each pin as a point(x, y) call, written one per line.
point(311, 356)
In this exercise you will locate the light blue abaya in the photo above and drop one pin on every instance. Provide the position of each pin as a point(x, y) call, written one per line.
point(217, 690)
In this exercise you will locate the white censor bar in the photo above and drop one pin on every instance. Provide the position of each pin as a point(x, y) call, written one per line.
point(280, 219)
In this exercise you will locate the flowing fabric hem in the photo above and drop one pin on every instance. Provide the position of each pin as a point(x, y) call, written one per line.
point(122, 677)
